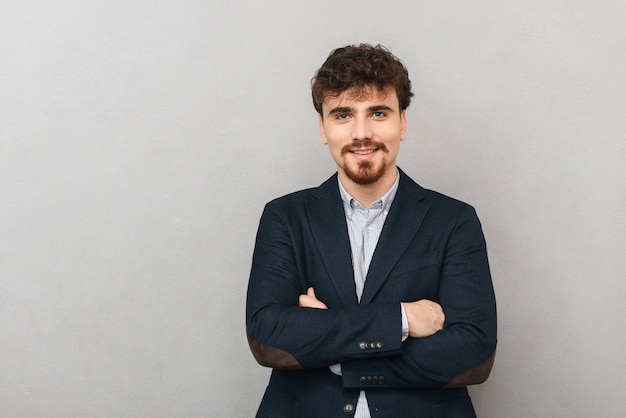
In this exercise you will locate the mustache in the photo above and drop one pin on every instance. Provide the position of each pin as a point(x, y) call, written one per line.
point(363, 145)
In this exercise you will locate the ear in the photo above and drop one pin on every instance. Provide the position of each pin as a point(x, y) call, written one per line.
point(403, 125)
point(322, 133)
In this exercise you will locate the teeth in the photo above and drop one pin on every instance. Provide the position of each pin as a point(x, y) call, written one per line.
point(363, 152)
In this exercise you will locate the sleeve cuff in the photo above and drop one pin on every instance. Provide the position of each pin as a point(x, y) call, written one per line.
point(405, 324)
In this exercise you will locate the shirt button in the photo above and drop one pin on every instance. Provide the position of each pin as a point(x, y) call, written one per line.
point(348, 409)
point(370, 228)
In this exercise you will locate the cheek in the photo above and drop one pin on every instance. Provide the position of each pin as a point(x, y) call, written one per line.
point(335, 150)
point(333, 143)
point(393, 147)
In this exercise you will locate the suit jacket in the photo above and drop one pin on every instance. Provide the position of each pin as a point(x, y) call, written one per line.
point(431, 247)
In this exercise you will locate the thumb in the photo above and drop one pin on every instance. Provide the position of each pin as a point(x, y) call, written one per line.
point(311, 292)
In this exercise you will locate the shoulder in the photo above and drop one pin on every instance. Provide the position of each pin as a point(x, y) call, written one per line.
point(441, 200)
point(328, 189)
point(433, 199)
point(290, 200)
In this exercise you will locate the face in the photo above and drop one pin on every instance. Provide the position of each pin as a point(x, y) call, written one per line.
point(363, 134)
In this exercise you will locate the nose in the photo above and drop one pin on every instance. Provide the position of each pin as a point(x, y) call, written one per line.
point(361, 129)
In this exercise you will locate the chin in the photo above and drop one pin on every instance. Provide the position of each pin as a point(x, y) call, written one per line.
point(365, 174)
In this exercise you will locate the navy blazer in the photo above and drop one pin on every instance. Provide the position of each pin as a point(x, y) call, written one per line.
point(431, 247)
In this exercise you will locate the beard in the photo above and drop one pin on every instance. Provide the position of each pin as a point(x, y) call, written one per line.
point(364, 172)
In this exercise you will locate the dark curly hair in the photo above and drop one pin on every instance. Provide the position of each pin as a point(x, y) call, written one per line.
point(358, 67)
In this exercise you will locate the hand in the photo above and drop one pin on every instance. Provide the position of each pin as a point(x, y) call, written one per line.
point(310, 301)
point(425, 317)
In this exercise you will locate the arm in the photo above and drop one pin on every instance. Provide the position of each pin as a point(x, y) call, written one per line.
point(282, 334)
point(419, 319)
point(460, 354)
point(424, 317)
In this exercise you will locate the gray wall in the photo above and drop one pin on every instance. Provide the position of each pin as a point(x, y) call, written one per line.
point(139, 141)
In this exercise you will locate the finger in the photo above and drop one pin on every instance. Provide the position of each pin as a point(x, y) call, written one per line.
point(311, 292)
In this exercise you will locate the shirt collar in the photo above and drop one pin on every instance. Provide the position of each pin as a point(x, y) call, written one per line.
point(350, 203)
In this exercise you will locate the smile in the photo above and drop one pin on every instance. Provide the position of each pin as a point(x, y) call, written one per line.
point(364, 151)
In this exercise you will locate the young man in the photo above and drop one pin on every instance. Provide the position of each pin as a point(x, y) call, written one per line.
point(369, 295)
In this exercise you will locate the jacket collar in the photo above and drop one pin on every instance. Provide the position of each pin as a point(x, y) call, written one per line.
point(330, 231)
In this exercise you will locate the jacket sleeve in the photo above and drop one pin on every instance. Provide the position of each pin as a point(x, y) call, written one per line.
point(463, 352)
point(285, 336)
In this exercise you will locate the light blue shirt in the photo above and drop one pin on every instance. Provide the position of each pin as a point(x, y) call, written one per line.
point(364, 228)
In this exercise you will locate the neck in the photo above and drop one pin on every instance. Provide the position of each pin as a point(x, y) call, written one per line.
point(366, 194)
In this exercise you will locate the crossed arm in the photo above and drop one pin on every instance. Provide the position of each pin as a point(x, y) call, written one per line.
point(424, 316)
point(285, 333)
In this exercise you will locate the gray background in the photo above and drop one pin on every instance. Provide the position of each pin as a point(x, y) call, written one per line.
point(139, 141)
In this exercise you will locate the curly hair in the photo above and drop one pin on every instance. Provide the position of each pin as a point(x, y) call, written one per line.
point(357, 68)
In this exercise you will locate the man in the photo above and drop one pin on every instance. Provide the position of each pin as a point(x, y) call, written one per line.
point(369, 295)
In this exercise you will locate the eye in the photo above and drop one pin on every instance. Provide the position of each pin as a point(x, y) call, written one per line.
point(342, 116)
point(379, 114)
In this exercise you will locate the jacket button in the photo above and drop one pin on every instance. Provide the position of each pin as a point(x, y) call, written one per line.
point(379, 344)
point(363, 345)
point(381, 380)
point(348, 409)
point(362, 380)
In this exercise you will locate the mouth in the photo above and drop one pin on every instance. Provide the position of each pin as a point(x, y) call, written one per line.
point(364, 151)
point(361, 153)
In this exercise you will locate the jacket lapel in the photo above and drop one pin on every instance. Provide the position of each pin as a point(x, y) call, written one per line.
point(330, 231)
point(403, 221)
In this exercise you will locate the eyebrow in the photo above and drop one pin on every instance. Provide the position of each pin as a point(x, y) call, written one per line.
point(338, 110)
point(379, 108)
point(348, 109)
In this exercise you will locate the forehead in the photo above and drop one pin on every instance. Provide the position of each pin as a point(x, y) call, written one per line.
point(356, 95)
